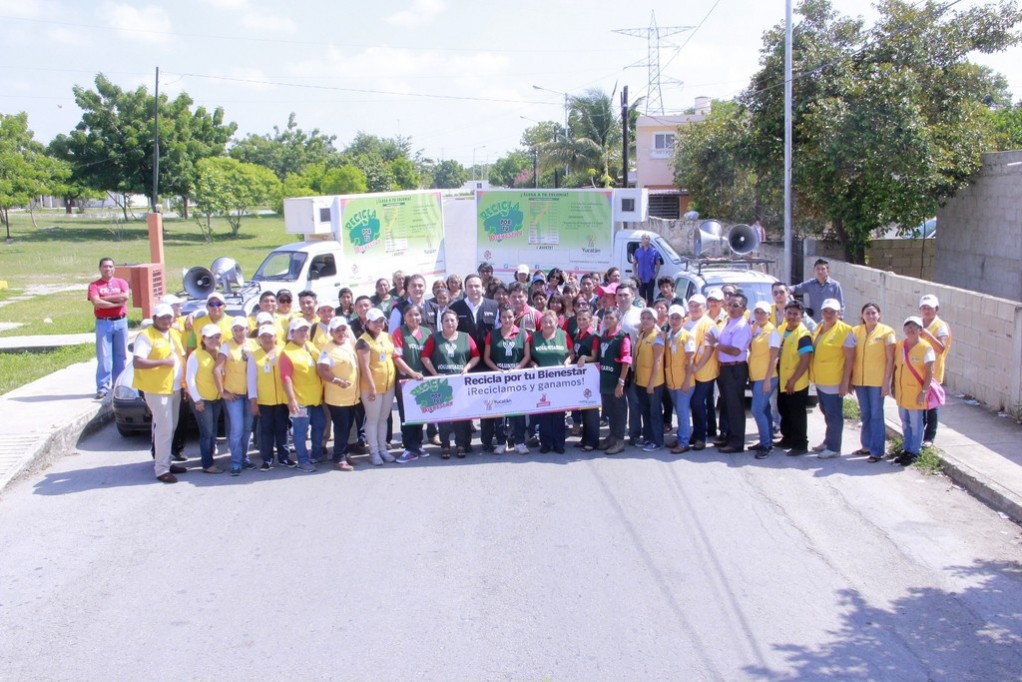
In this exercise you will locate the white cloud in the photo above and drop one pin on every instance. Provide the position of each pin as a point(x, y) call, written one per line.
point(149, 24)
point(227, 4)
point(271, 23)
point(66, 36)
point(250, 78)
point(419, 12)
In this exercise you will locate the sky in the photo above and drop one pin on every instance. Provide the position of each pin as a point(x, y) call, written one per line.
point(457, 77)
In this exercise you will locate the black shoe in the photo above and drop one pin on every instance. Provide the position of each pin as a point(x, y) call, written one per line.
point(266, 466)
point(795, 452)
point(533, 442)
point(289, 463)
point(559, 451)
point(178, 456)
point(762, 453)
point(177, 469)
point(545, 449)
point(906, 459)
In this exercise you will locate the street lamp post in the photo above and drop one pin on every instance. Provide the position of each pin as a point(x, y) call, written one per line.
point(566, 96)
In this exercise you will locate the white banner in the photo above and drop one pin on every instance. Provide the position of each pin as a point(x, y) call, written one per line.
point(454, 397)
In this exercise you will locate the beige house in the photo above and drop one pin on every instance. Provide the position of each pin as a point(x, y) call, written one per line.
point(655, 137)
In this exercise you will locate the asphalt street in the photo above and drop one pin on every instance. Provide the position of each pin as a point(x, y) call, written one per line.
point(704, 566)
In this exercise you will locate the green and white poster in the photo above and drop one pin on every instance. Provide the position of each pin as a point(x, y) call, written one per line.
point(569, 229)
point(381, 233)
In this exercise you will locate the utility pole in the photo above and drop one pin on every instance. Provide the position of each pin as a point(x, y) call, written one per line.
point(624, 136)
point(787, 142)
point(653, 34)
point(156, 144)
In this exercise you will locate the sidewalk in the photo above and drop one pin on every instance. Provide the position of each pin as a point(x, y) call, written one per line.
point(10, 344)
point(44, 420)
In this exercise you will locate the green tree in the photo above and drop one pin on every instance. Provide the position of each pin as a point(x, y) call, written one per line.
point(888, 124)
point(1006, 122)
point(506, 170)
point(111, 148)
point(25, 170)
point(230, 188)
point(591, 150)
point(289, 150)
point(448, 174)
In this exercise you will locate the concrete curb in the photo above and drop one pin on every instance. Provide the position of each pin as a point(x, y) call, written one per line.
point(60, 442)
point(983, 488)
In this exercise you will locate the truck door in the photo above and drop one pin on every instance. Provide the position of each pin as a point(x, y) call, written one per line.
point(323, 277)
point(626, 247)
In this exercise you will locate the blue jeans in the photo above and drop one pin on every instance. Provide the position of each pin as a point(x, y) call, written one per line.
point(552, 430)
point(634, 410)
point(761, 412)
point(239, 428)
point(207, 421)
point(912, 429)
point(682, 408)
point(111, 345)
point(313, 416)
point(651, 405)
point(830, 403)
point(700, 392)
point(871, 407)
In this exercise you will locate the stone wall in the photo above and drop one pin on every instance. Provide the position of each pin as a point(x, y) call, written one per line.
point(985, 360)
point(979, 232)
point(909, 257)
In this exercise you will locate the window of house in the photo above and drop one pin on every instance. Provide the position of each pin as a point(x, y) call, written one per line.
point(663, 144)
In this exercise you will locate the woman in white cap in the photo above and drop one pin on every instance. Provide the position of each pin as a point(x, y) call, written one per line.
point(679, 378)
point(913, 371)
point(764, 350)
point(871, 378)
point(231, 376)
point(267, 398)
point(205, 396)
point(377, 376)
point(937, 333)
point(338, 368)
point(831, 371)
point(304, 392)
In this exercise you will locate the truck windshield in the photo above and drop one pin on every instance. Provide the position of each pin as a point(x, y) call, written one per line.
point(667, 252)
point(281, 266)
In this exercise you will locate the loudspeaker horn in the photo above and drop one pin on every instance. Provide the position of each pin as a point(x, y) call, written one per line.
point(743, 239)
point(227, 273)
point(199, 282)
point(708, 236)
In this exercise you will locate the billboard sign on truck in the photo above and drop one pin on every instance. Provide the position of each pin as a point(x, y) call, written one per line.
point(569, 229)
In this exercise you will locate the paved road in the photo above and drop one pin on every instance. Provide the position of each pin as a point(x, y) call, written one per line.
point(636, 567)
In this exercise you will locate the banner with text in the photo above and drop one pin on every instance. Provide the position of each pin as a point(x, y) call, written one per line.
point(454, 397)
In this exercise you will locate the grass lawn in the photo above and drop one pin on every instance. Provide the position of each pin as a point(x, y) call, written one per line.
point(18, 369)
point(64, 250)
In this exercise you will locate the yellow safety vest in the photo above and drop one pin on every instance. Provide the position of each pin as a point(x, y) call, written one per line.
point(204, 380)
point(269, 389)
point(828, 364)
point(938, 365)
point(345, 367)
point(675, 362)
point(236, 367)
point(759, 353)
point(871, 354)
point(305, 382)
point(790, 357)
point(711, 369)
point(381, 361)
point(906, 386)
point(158, 380)
point(644, 362)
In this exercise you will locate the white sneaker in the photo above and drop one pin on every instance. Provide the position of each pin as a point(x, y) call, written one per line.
point(828, 454)
point(819, 448)
point(500, 449)
point(376, 460)
point(387, 457)
point(522, 449)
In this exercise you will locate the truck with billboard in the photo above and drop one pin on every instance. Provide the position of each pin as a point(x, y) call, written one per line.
point(572, 229)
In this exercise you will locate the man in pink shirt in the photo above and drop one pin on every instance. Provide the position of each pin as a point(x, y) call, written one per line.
point(109, 296)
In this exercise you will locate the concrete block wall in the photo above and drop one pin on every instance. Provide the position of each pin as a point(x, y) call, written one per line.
point(986, 354)
point(980, 230)
point(910, 257)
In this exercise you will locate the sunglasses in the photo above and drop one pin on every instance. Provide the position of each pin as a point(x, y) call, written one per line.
point(215, 304)
point(736, 305)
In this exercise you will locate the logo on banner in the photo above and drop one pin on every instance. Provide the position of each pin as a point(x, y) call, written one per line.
point(433, 395)
point(502, 220)
point(543, 402)
point(363, 229)
point(587, 394)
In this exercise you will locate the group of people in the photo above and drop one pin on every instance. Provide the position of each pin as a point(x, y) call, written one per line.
point(664, 364)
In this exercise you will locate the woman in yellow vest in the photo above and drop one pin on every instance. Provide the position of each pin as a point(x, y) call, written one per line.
point(704, 333)
point(871, 378)
point(205, 394)
point(649, 379)
point(157, 364)
point(763, 351)
point(231, 376)
point(338, 369)
point(377, 376)
point(679, 350)
point(831, 372)
point(793, 380)
point(913, 371)
point(304, 392)
point(267, 398)
point(937, 333)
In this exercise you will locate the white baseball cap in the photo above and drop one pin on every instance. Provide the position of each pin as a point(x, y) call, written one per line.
point(676, 310)
point(210, 330)
point(163, 310)
point(716, 294)
point(697, 298)
point(268, 329)
point(216, 296)
point(339, 321)
point(832, 304)
point(239, 322)
point(264, 318)
point(763, 306)
point(299, 323)
point(523, 269)
point(375, 314)
point(930, 300)
point(914, 319)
